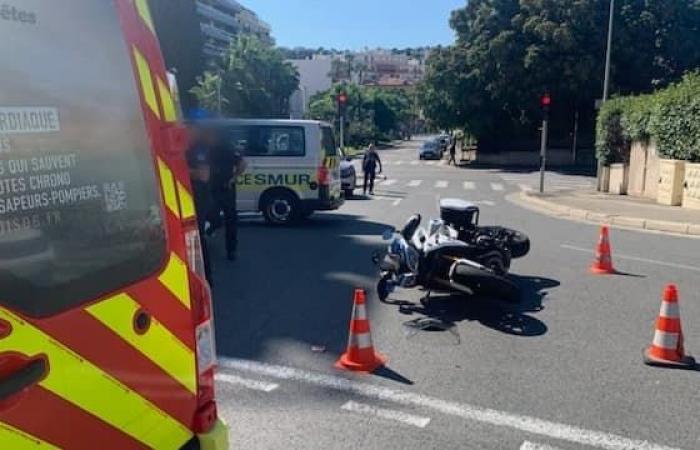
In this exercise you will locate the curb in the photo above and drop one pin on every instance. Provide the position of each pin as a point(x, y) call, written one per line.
point(562, 211)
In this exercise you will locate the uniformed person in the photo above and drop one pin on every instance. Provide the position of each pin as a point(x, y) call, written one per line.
point(227, 165)
point(370, 163)
point(200, 176)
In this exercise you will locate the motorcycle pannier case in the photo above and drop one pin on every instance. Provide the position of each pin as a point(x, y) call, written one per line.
point(459, 214)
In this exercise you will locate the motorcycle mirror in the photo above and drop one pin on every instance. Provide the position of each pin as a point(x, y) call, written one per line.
point(388, 234)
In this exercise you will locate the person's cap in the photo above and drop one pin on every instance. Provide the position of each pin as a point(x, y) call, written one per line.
point(197, 156)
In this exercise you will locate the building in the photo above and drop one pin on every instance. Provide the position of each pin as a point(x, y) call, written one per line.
point(314, 77)
point(193, 34)
point(390, 68)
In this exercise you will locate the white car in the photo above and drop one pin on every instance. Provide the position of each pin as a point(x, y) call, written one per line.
point(348, 176)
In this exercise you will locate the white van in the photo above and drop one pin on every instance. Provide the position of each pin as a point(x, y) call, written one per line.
point(293, 166)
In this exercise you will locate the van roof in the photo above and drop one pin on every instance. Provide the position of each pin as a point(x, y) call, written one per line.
point(278, 122)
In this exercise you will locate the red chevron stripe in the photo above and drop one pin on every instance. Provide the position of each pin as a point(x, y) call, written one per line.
point(66, 426)
point(87, 337)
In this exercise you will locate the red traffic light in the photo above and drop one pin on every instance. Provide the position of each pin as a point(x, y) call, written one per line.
point(342, 98)
point(546, 100)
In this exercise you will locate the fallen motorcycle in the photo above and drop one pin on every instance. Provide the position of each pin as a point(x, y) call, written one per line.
point(440, 262)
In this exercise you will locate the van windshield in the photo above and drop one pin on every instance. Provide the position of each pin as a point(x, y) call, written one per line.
point(79, 204)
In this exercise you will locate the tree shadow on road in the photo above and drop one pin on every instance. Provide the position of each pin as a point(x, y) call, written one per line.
point(512, 319)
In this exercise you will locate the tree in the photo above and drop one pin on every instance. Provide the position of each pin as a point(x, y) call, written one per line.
point(508, 52)
point(251, 80)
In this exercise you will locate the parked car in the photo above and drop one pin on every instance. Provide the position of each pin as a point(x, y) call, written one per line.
point(430, 150)
point(348, 176)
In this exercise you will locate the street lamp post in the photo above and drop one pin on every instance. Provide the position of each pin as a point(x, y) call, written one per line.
point(606, 81)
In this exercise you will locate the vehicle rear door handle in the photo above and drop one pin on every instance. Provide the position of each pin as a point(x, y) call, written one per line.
point(25, 377)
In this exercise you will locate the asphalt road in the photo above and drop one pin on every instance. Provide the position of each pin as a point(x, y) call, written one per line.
point(564, 370)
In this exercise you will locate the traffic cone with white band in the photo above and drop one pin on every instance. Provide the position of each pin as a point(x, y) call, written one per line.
point(360, 355)
point(603, 255)
point(667, 348)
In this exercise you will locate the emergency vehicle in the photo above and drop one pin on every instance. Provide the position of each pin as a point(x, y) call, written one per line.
point(293, 166)
point(106, 333)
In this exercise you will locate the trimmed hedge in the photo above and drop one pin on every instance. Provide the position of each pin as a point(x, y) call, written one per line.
point(670, 117)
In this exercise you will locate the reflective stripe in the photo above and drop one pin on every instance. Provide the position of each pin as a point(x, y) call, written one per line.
point(157, 344)
point(167, 182)
point(361, 340)
point(149, 93)
point(166, 99)
point(186, 202)
point(360, 312)
point(670, 310)
point(175, 278)
point(83, 384)
point(666, 340)
point(14, 439)
point(145, 13)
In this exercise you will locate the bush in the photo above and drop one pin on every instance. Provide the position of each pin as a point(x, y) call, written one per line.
point(670, 117)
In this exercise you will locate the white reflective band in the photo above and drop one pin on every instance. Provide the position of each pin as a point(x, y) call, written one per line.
point(665, 340)
point(670, 310)
point(360, 312)
point(361, 340)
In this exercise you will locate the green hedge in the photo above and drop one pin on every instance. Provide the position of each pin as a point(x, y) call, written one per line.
point(670, 117)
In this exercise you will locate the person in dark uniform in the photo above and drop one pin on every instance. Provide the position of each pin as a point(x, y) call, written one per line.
point(453, 151)
point(227, 165)
point(200, 177)
point(369, 167)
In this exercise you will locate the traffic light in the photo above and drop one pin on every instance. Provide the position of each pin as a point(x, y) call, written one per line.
point(342, 100)
point(546, 102)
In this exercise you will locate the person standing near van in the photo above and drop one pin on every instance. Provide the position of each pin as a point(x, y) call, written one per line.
point(453, 151)
point(200, 176)
point(227, 165)
point(369, 167)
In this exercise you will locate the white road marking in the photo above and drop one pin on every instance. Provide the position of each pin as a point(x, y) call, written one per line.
point(493, 417)
point(431, 163)
point(391, 414)
point(397, 202)
point(415, 183)
point(415, 163)
point(497, 186)
point(443, 162)
point(399, 163)
point(532, 446)
point(246, 383)
point(469, 185)
point(441, 184)
point(388, 182)
point(486, 202)
point(525, 187)
point(636, 258)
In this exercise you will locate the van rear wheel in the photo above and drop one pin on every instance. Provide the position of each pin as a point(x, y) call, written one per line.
point(281, 208)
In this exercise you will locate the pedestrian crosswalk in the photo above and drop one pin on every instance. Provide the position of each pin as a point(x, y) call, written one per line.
point(442, 185)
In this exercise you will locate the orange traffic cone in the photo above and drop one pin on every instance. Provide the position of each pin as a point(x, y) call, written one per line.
point(667, 348)
point(360, 355)
point(603, 255)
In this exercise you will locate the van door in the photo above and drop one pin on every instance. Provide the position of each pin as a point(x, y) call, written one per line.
point(96, 334)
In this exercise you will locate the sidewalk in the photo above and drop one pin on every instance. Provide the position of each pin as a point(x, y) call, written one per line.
point(620, 210)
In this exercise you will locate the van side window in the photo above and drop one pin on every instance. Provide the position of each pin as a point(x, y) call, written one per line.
point(270, 141)
point(328, 142)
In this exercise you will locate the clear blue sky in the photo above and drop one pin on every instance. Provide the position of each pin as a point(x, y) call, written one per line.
point(354, 24)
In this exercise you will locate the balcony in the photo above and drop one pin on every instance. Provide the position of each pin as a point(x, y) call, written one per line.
point(214, 14)
point(215, 32)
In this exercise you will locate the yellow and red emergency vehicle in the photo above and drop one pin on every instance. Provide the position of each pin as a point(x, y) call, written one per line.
point(106, 333)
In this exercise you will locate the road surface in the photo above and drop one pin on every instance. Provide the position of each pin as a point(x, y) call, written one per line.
point(563, 371)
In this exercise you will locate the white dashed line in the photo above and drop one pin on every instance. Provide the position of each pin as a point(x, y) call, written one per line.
point(525, 188)
point(399, 163)
point(486, 203)
point(390, 414)
point(388, 182)
point(527, 424)
point(431, 163)
point(415, 183)
point(636, 258)
point(469, 186)
point(415, 163)
point(441, 184)
point(532, 446)
point(397, 202)
point(246, 383)
point(497, 187)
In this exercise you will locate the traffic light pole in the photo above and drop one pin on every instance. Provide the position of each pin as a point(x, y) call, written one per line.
point(543, 151)
point(342, 131)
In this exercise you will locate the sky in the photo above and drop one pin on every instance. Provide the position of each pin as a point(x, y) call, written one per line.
point(355, 24)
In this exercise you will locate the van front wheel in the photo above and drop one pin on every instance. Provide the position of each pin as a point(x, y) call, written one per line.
point(281, 208)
